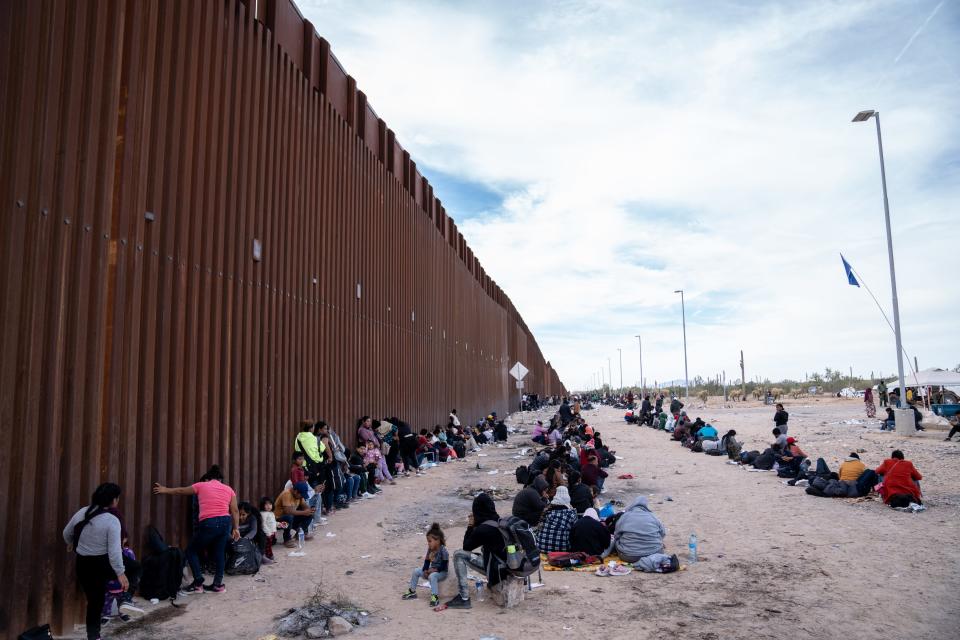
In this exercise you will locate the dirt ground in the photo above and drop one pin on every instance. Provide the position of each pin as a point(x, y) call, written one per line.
point(774, 562)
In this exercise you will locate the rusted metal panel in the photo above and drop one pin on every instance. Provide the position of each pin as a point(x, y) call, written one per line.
point(144, 147)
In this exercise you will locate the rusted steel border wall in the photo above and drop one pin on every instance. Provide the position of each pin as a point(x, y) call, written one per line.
point(208, 235)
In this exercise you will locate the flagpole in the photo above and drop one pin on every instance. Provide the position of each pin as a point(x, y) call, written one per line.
point(882, 312)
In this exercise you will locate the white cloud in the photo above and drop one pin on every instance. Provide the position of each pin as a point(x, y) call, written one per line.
point(645, 148)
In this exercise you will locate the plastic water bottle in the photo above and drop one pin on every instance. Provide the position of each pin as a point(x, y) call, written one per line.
point(693, 548)
point(299, 539)
point(480, 594)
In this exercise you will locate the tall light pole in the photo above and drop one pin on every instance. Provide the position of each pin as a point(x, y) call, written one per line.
point(643, 382)
point(686, 375)
point(862, 117)
point(610, 374)
point(621, 368)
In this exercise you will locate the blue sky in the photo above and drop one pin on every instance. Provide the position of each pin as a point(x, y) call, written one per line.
point(599, 155)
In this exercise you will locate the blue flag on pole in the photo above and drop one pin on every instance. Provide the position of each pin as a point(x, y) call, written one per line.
point(852, 279)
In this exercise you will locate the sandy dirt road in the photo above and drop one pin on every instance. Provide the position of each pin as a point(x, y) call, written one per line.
point(774, 562)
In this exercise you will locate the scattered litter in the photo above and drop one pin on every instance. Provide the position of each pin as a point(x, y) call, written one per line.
point(365, 557)
point(568, 628)
point(732, 462)
point(625, 476)
point(297, 554)
point(482, 455)
point(668, 499)
point(619, 457)
point(536, 585)
point(154, 601)
point(331, 534)
point(259, 579)
point(494, 472)
point(348, 572)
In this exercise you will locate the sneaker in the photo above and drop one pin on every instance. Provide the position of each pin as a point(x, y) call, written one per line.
point(192, 588)
point(366, 495)
point(267, 560)
point(434, 600)
point(214, 588)
point(458, 602)
point(409, 594)
point(420, 473)
point(343, 505)
point(393, 482)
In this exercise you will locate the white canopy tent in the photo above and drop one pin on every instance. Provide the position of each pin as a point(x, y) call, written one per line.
point(928, 378)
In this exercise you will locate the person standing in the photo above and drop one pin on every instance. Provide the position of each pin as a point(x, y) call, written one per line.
point(868, 403)
point(219, 522)
point(780, 419)
point(882, 392)
point(94, 533)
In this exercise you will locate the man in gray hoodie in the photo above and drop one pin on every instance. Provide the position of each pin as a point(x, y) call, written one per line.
point(638, 539)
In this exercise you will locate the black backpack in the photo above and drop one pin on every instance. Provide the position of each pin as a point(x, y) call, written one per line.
point(460, 449)
point(523, 475)
point(764, 461)
point(162, 569)
point(516, 532)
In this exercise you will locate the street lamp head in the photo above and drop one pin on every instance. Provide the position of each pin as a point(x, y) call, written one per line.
point(864, 115)
point(679, 291)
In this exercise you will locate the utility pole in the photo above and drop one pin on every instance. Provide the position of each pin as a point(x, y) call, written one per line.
point(621, 368)
point(643, 382)
point(610, 373)
point(743, 378)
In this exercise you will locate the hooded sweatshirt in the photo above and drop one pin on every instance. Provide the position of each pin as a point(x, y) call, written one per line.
point(528, 505)
point(638, 533)
point(485, 535)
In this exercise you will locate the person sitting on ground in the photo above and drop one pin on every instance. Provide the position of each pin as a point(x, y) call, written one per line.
point(581, 496)
point(607, 457)
point(791, 460)
point(290, 508)
point(852, 468)
point(540, 461)
point(500, 431)
point(589, 534)
point(539, 434)
point(435, 566)
point(638, 539)
point(367, 472)
point(251, 528)
point(554, 477)
point(900, 481)
point(779, 440)
point(365, 431)
point(298, 474)
point(706, 432)
point(592, 474)
point(373, 456)
point(529, 503)
point(730, 445)
point(553, 532)
point(917, 418)
point(482, 531)
point(890, 422)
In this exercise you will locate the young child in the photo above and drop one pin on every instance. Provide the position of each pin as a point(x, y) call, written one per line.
point(435, 566)
point(373, 456)
point(269, 521)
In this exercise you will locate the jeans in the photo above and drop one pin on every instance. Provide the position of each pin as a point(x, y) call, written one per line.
point(434, 578)
point(352, 487)
point(211, 532)
point(93, 574)
point(294, 522)
point(463, 561)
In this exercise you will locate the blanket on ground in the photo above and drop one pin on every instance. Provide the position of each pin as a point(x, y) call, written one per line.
point(546, 566)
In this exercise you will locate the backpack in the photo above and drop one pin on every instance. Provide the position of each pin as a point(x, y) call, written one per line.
point(523, 475)
point(162, 570)
point(517, 533)
point(460, 449)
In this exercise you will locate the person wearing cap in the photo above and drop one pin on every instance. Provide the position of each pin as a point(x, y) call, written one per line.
point(852, 468)
point(553, 531)
point(792, 457)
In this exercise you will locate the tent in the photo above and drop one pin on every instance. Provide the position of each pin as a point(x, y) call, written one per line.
point(928, 378)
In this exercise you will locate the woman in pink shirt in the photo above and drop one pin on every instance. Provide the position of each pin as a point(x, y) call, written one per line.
point(219, 522)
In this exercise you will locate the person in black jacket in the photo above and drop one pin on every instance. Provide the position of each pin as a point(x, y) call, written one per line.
point(589, 534)
point(566, 413)
point(581, 496)
point(529, 503)
point(646, 411)
point(780, 419)
point(480, 533)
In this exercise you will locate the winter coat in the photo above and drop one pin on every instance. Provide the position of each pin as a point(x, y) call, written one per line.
point(638, 532)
